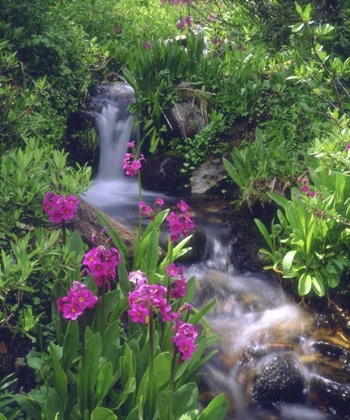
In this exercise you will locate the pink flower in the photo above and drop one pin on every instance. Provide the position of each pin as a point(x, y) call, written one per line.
point(138, 277)
point(185, 335)
point(180, 224)
point(159, 201)
point(77, 300)
point(173, 270)
point(347, 147)
point(131, 164)
point(102, 263)
point(58, 207)
point(147, 45)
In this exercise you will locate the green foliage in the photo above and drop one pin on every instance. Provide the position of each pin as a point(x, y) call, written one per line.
point(154, 72)
point(26, 175)
point(204, 144)
point(311, 239)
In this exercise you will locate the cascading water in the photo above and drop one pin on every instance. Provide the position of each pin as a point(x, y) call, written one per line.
point(269, 350)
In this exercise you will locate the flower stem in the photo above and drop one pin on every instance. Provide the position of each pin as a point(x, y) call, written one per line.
point(103, 309)
point(171, 385)
point(64, 232)
point(140, 199)
point(83, 364)
point(150, 382)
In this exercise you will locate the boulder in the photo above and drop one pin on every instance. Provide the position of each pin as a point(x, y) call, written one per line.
point(280, 379)
point(187, 119)
point(163, 174)
point(207, 176)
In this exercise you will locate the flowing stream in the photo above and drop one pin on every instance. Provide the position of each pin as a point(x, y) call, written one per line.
point(270, 349)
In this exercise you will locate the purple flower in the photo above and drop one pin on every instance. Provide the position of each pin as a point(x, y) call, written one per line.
point(347, 147)
point(185, 335)
point(58, 207)
point(145, 299)
point(241, 48)
point(117, 31)
point(102, 264)
point(131, 164)
point(147, 45)
point(77, 300)
point(180, 224)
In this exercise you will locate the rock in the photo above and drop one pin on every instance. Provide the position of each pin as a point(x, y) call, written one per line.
point(163, 174)
point(207, 176)
point(334, 395)
point(187, 119)
point(279, 380)
point(86, 223)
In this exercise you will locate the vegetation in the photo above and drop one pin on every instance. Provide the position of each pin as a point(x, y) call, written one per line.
point(279, 67)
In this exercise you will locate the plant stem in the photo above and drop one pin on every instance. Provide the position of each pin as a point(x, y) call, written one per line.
point(150, 382)
point(103, 309)
point(64, 232)
point(83, 365)
point(140, 199)
point(171, 385)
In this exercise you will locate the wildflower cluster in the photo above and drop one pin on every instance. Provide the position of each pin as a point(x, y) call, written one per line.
point(146, 298)
point(102, 263)
point(147, 210)
point(178, 283)
point(185, 335)
point(58, 207)
point(180, 224)
point(306, 189)
point(183, 22)
point(78, 299)
point(130, 163)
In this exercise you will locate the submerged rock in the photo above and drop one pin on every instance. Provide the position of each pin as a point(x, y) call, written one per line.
point(279, 380)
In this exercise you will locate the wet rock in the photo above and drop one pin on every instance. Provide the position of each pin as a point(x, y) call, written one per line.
point(279, 380)
point(163, 174)
point(187, 119)
point(328, 349)
point(207, 176)
point(331, 394)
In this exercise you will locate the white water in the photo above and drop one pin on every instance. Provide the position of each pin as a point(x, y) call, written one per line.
point(251, 310)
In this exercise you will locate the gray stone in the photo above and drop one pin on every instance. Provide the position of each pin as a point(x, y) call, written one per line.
point(207, 176)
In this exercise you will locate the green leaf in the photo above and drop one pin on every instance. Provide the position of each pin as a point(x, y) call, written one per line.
point(101, 413)
point(216, 410)
point(31, 407)
point(288, 261)
point(298, 27)
point(264, 232)
point(197, 316)
point(54, 408)
point(185, 399)
point(103, 383)
point(305, 283)
point(317, 284)
point(60, 378)
point(70, 345)
point(333, 281)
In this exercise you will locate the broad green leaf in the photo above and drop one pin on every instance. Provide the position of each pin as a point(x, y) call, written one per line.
point(288, 261)
point(317, 284)
point(101, 413)
point(333, 281)
point(185, 399)
point(103, 383)
point(305, 283)
point(29, 406)
point(70, 345)
point(60, 378)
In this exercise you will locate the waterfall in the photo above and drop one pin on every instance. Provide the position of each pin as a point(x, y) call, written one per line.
point(114, 126)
